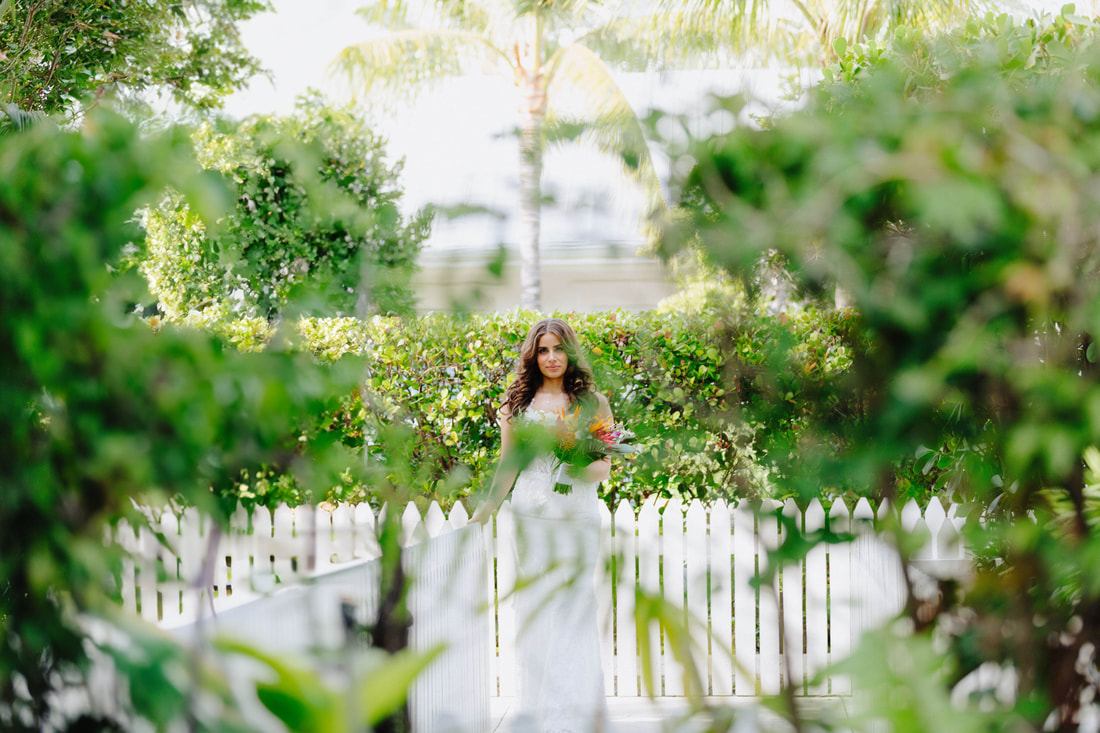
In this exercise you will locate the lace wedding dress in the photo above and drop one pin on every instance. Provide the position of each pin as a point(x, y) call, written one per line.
point(561, 686)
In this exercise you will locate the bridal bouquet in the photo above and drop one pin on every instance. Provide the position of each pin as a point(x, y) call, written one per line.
point(580, 444)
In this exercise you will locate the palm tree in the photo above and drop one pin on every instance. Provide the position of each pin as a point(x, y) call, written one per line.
point(552, 50)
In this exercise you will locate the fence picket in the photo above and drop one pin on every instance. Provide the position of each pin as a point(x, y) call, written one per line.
point(672, 576)
point(864, 599)
point(434, 521)
point(263, 550)
point(721, 600)
point(626, 633)
point(171, 590)
point(744, 599)
point(768, 540)
point(221, 570)
point(311, 540)
point(284, 548)
point(885, 512)
point(934, 516)
point(148, 585)
point(458, 517)
point(840, 596)
point(910, 515)
point(695, 577)
point(794, 647)
point(314, 543)
point(191, 552)
point(412, 528)
point(343, 536)
point(506, 585)
point(817, 589)
point(493, 602)
point(604, 605)
point(127, 539)
point(366, 534)
point(948, 546)
point(238, 557)
point(649, 583)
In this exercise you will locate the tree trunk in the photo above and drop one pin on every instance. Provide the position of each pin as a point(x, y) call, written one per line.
point(532, 115)
point(390, 631)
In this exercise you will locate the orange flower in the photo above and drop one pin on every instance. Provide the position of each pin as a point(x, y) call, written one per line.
point(600, 425)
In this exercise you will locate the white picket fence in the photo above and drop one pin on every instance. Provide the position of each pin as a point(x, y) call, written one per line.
point(699, 558)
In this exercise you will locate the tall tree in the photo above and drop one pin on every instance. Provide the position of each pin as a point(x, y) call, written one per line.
point(555, 50)
point(56, 56)
point(316, 199)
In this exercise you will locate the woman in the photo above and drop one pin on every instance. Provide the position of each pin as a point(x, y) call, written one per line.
point(557, 540)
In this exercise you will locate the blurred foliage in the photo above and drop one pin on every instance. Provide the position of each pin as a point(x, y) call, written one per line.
point(305, 702)
point(948, 188)
point(314, 197)
point(57, 56)
point(99, 411)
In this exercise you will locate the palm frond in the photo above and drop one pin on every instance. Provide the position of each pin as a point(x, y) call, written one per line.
point(392, 14)
point(464, 15)
point(406, 62)
point(714, 33)
point(21, 119)
point(549, 8)
point(859, 19)
point(587, 104)
point(756, 30)
point(934, 14)
point(626, 43)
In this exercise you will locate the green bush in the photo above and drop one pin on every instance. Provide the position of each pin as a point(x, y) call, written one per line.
point(666, 375)
point(316, 202)
point(98, 412)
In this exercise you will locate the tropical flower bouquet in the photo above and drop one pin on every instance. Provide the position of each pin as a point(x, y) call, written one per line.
point(581, 443)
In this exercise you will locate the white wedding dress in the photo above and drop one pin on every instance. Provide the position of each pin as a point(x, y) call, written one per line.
point(561, 687)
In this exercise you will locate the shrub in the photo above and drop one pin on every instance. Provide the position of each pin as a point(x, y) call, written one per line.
point(667, 376)
point(315, 197)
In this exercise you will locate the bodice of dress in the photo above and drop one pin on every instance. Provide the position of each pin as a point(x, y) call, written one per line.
point(534, 490)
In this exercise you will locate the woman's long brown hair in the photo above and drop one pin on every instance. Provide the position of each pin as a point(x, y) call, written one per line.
point(577, 380)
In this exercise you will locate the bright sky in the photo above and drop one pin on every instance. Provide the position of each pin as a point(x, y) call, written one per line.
point(456, 141)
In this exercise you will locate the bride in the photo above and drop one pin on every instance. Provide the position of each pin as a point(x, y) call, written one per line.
point(561, 687)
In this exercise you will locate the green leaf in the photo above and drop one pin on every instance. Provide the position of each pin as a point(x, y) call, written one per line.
point(299, 697)
point(384, 687)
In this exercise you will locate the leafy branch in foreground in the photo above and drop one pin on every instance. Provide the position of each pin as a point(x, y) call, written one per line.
point(947, 189)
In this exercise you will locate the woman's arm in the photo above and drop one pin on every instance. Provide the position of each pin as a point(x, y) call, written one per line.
point(506, 472)
point(600, 470)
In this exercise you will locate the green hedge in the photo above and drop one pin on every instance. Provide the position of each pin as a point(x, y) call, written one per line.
point(693, 387)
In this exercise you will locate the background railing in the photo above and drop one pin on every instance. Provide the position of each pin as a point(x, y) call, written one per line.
point(698, 558)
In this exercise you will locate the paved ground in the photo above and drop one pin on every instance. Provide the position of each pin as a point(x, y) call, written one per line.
point(672, 715)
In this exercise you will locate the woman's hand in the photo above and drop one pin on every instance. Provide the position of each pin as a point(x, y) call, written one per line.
point(483, 513)
point(597, 471)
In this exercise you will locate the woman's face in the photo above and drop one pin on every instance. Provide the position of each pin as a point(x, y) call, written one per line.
point(552, 358)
